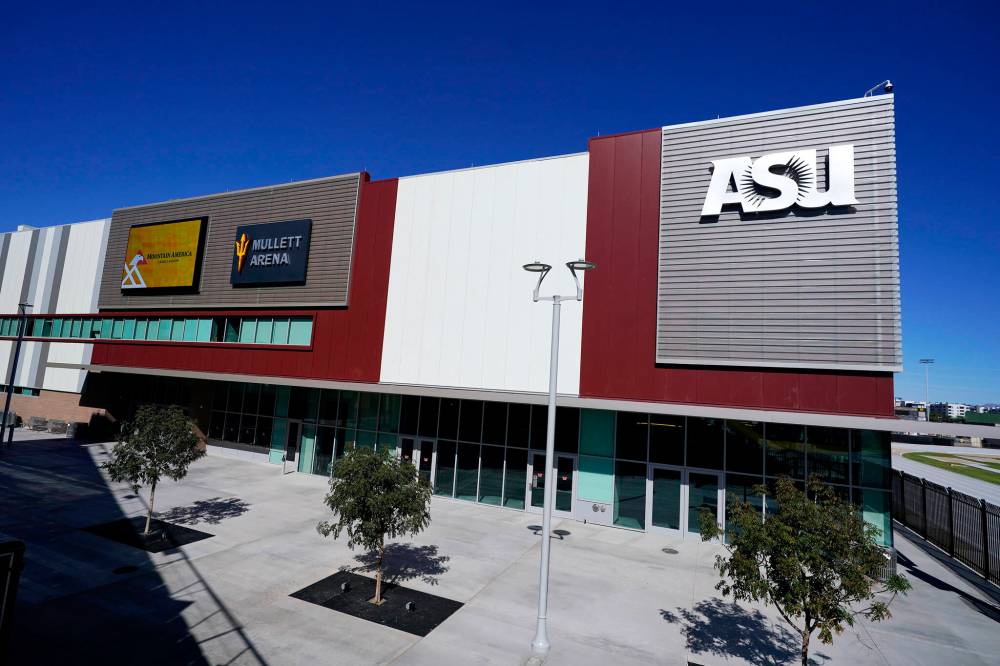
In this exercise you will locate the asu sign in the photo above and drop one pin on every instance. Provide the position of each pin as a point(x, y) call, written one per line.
point(271, 254)
point(778, 181)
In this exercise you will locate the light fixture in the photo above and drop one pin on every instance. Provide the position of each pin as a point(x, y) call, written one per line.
point(542, 270)
point(885, 85)
point(579, 265)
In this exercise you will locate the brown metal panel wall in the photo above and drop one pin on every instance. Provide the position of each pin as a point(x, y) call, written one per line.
point(331, 204)
point(803, 288)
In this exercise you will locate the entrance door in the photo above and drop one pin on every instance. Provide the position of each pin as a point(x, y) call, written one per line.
point(565, 475)
point(676, 496)
point(420, 452)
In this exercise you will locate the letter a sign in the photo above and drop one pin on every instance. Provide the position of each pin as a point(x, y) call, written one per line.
point(781, 180)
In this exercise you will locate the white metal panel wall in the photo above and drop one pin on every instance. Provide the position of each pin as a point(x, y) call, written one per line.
point(78, 290)
point(12, 277)
point(459, 309)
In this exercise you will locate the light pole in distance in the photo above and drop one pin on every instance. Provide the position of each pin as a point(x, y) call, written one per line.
point(22, 322)
point(540, 644)
point(926, 362)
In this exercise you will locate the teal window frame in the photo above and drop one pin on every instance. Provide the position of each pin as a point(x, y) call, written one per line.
point(141, 327)
point(300, 331)
point(264, 327)
point(176, 330)
point(204, 330)
point(190, 330)
point(279, 333)
point(117, 329)
point(106, 326)
point(77, 328)
point(248, 329)
point(57, 326)
point(128, 331)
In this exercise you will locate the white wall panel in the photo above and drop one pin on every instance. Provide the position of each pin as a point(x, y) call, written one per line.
point(459, 309)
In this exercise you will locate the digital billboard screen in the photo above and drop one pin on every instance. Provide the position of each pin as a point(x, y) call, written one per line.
point(163, 255)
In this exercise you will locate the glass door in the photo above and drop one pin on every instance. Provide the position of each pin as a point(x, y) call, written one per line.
point(704, 490)
point(664, 498)
point(676, 497)
point(565, 479)
point(419, 452)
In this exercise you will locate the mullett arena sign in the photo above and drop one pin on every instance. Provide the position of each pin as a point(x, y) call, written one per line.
point(781, 180)
point(271, 254)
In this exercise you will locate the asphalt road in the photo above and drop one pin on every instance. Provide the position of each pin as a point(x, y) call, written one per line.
point(963, 484)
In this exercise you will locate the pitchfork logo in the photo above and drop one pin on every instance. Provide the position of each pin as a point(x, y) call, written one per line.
point(781, 180)
point(133, 277)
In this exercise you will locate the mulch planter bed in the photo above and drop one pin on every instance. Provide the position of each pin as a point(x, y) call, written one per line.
point(162, 536)
point(429, 610)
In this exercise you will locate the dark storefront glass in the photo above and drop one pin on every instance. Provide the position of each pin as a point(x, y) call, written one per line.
point(467, 471)
point(631, 434)
point(323, 453)
point(429, 416)
point(567, 430)
point(302, 403)
point(262, 438)
point(871, 458)
point(231, 430)
point(741, 487)
point(251, 399)
point(491, 475)
point(347, 409)
point(518, 425)
point(448, 418)
point(828, 455)
point(408, 414)
point(564, 483)
point(666, 439)
point(745, 447)
point(328, 401)
point(268, 396)
point(216, 425)
point(494, 423)
point(235, 401)
point(248, 423)
point(786, 455)
point(705, 442)
point(470, 427)
point(703, 493)
point(444, 476)
point(516, 478)
point(667, 498)
point(539, 423)
point(630, 494)
point(368, 411)
point(388, 415)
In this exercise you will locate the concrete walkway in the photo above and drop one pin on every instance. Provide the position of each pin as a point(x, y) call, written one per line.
point(963, 484)
point(617, 596)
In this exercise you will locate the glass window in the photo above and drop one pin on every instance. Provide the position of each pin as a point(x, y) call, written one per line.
point(264, 329)
point(828, 453)
point(470, 426)
point(428, 416)
point(328, 402)
point(36, 327)
point(741, 487)
point(248, 329)
point(368, 411)
point(129, 332)
point(163, 327)
point(444, 477)
point(491, 475)
point(303, 403)
point(495, 422)
point(230, 432)
point(597, 431)
point(75, 328)
point(631, 434)
point(467, 472)
point(218, 329)
point(387, 441)
point(177, 330)
point(106, 326)
point(871, 458)
point(666, 439)
point(190, 330)
point(408, 415)
point(745, 447)
point(666, 498)
point(267, 400)
point(117, 329)
point(347, 409)
point(262, 439)
point(365, 439)
point(516, 478)
point(279, 333)
point(323, 451)
point(57, 325)
point(204, 330)
point(630, 495)
point(875, 508)
point(518, 424)
point(300, 331)
point(705, 442)
point(539, 424)
point(215, 424)
point(388, 418)
point(140, 329)
point(448, 418)
point(786, 454)
point(232, 333)
point(567, 429)
point(251, 399)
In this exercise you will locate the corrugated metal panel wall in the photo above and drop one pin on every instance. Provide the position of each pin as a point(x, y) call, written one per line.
point(801, 288)
point(330, 203)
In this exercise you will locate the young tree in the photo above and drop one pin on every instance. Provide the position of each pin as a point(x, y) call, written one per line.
point(376, 496)
point(815, 559)
point(157, 442)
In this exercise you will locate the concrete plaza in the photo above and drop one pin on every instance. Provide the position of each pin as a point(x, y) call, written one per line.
point(617, 596)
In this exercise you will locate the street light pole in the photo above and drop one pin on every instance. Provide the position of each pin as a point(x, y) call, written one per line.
point(926, 362)
point(22, 311)
point(540, 644)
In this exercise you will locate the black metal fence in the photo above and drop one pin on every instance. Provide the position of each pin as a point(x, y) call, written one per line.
point(967, 528)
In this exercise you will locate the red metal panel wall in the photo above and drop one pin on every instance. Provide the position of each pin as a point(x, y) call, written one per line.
point(619, 314)
point(347, 342)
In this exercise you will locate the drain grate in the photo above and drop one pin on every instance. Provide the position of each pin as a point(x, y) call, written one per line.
point(670, 551)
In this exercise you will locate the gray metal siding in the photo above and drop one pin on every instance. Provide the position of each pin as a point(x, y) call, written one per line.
point(801, 288)
point(331, 204)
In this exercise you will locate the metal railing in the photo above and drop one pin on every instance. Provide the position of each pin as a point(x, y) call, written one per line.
point(965, 527)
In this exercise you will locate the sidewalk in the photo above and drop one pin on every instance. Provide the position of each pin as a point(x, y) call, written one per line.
point(616, 596)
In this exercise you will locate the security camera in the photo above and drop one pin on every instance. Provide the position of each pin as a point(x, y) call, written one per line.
point(888, 86)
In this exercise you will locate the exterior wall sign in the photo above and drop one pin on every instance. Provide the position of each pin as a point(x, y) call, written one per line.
point(781, 180)
point(163, 255)
point(275, 253)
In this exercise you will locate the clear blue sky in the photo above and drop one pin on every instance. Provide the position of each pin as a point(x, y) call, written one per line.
point(102, 107)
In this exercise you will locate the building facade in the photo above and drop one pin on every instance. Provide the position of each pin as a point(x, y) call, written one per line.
point(742, 323)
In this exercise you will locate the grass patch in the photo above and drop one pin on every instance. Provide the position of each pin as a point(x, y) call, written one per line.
point(944, 461)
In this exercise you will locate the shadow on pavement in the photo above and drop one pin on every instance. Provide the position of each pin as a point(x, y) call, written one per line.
point(212, 511)
point(725, 630)
point(406, 561)
point(84, 599)
point(912, 570)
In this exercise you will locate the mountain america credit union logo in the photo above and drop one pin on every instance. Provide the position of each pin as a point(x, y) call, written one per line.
point(778, 181)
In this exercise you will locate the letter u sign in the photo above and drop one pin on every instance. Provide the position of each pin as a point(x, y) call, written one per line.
point(780, 180)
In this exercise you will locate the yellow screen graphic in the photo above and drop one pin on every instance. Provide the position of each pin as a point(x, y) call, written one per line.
point(162, 255)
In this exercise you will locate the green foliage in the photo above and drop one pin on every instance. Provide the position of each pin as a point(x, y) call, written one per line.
point(158, 442)
point(375, 496)
point(814, 559)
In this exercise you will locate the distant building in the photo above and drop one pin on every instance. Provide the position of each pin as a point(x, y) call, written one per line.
point(949, 410)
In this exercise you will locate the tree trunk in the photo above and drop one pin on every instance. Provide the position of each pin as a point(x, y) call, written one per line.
point(378, 574)
point(805, 648)
point(149, 516)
